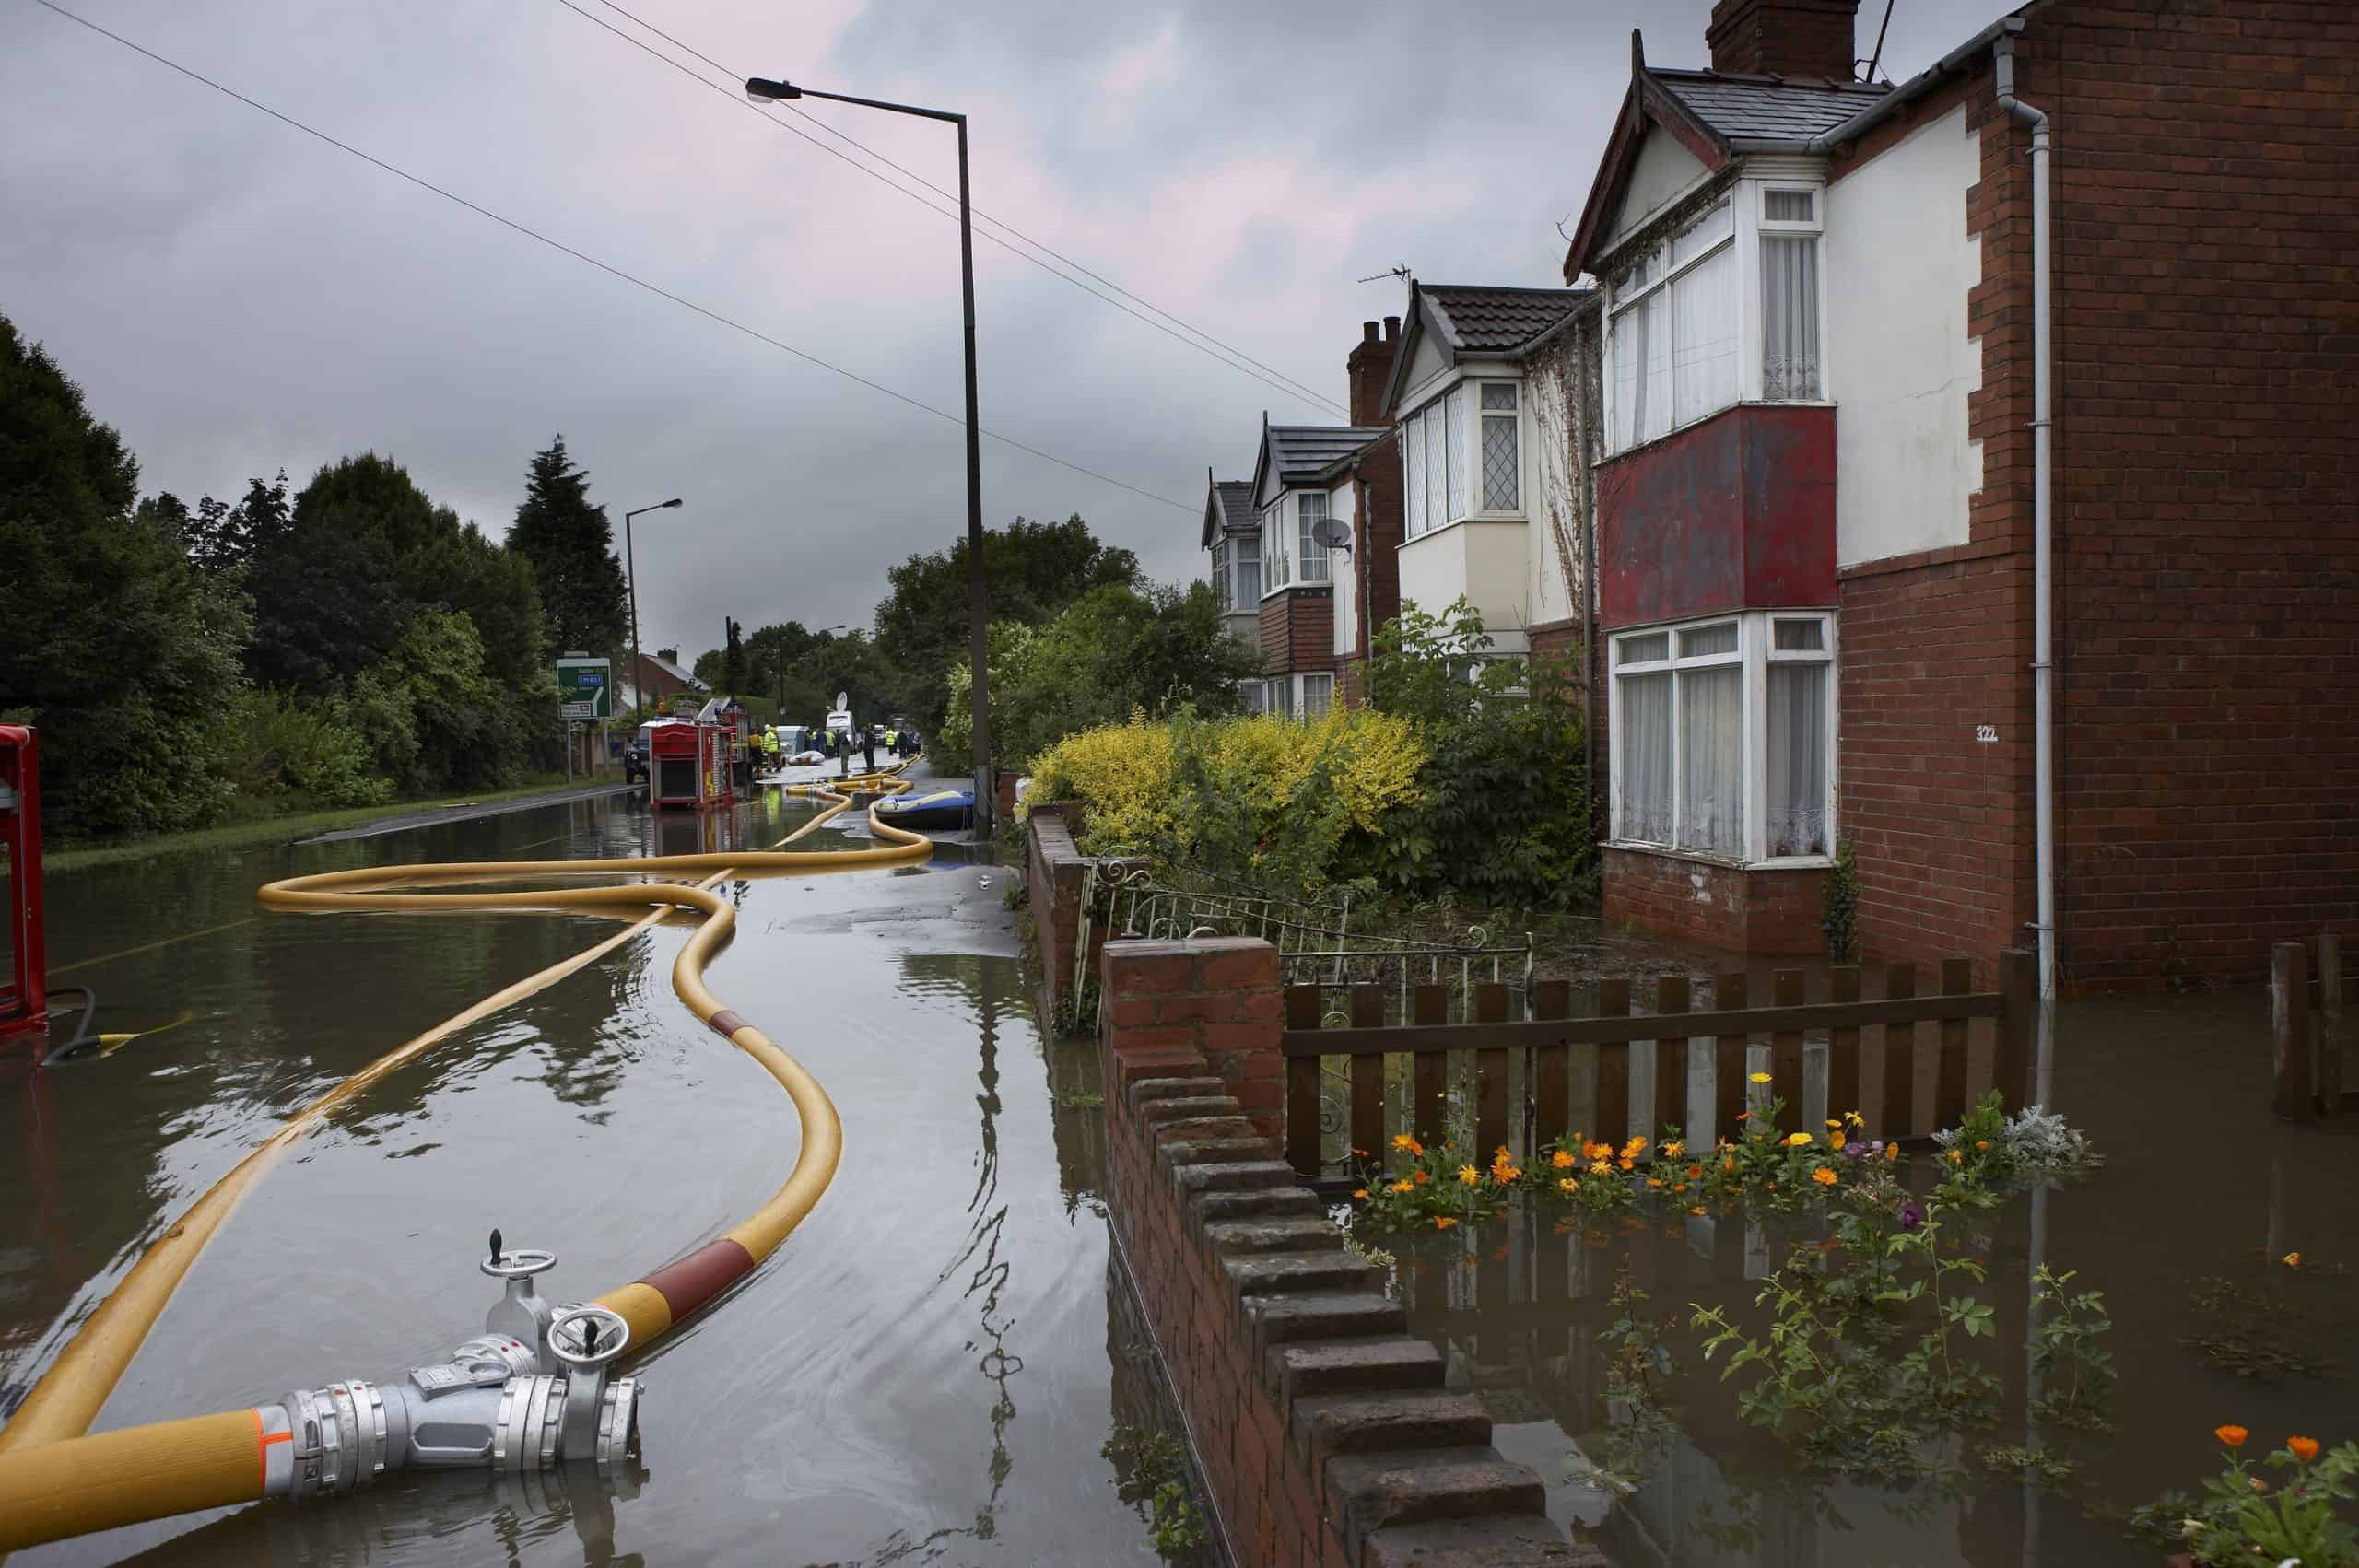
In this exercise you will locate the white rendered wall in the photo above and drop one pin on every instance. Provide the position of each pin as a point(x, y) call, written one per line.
point(1343, 569)
point(1662, 170)
point(1482, 561)
point(1900, 365)
point(1551, 498)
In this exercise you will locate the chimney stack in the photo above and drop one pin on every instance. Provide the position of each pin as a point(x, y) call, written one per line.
point(1784, 38)
point(1369, 368)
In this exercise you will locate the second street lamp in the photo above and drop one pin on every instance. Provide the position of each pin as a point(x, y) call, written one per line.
point(761, 89)
point(630, 564)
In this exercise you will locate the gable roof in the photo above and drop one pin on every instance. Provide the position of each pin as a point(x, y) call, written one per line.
point(1717, 117)
point(1476, 321)
point(1304, 454)
point(1229, 508)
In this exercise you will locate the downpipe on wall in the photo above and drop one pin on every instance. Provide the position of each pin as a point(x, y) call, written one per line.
point(2043, 658)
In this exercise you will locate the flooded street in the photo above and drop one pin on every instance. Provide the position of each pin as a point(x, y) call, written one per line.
point(921, 1374)
point(2185, 1229)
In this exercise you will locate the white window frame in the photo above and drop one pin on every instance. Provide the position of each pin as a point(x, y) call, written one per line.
point(1223, 584)
point(1755, 652)
point(1255, 695)
point(1239, 544)
point(1303, 689)
point(1478, 420)
point(1316, 562)
point(1748, 206)
point(1426, 431)
point(1277, 560)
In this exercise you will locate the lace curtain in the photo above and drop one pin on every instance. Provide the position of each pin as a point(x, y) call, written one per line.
point(1789, 317)
point(1797, 759)
point(1646, 759)
point(1711, 762)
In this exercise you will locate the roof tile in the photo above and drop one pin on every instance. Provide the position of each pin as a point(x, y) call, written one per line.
point(1769, 108)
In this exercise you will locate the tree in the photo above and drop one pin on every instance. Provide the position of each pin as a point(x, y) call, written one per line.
point(116, 646)
point(732, 657)
point(1034, 569)
point(571, 547)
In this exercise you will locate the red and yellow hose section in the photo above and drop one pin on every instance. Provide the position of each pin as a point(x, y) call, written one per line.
point(56, 1481)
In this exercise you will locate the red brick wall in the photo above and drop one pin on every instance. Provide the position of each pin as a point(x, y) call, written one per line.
point(1298, 631)
point(1772, 914)
point(1784, 38)
point(1376, 549)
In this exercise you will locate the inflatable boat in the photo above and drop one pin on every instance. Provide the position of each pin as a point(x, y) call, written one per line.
point(932, 813)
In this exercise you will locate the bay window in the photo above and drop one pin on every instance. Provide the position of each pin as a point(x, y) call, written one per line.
point(1462, 455)
point(1311, 510)
point(1318, 693)
point(1724, 309)
point(1723, 736)
point(1237, 571)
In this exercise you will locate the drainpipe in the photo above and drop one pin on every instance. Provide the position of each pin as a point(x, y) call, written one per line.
point(2043, 547)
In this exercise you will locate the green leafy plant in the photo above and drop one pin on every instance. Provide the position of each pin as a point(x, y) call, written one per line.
point(1079, 1099)
point(2069, 1349)
point(2043, 1465)
point(2263, 1326)
point(2243, 1516)
point(1839, 894)
point(1177, 1525)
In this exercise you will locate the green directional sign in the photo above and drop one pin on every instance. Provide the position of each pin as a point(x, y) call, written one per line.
point(586, 688)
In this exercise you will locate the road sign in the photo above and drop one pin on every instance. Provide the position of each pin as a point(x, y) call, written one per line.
point(586, 688)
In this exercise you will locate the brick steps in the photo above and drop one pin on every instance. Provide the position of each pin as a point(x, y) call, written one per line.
point(1327, 1432)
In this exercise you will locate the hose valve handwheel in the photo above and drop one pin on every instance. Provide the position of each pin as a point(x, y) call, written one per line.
point(587, 1337)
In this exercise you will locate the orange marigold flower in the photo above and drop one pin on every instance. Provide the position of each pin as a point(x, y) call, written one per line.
point(1567, 1185)
point(1694, 1173)
point(1407, 1143)
point(1359, 1153)
point(1600, 1167)
point(1443, 1222)
point(1361, 1193)
point(2234, 1436)
point(1470, 1175)
point(1825, 1176)
point(1654, 1181)
point(1506, 1175)
point(1598, 1151)
point(1835, 1141)
point(1695, 1208)
point(1728, 1162)
point(1418, 1176)
point(1957, 1158)
point(1634, 1148)
point(1626, 1162)
point(2304, 1448)
point(1982, 1143)
point(1402, 1187)
point(1745, 1115)
point(2292, 1260)
point(1562, 1159)
point(1672, 1150)
point(1891, 1151)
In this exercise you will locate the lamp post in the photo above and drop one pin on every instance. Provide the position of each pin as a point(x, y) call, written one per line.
point(761, 89)
point(630, 564)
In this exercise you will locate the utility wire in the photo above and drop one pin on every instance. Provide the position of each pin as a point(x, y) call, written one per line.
point(606, 267)
point(1236, 359)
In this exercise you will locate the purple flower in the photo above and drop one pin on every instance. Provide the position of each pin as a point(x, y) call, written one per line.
point(1911, 1216)
point(1854, 1151)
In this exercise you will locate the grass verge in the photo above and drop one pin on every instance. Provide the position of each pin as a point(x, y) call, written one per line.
point(279, 829)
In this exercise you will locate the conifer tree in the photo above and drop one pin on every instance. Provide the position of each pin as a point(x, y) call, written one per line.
point(571, 547)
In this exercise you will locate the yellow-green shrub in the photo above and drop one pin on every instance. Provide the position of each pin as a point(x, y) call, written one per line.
point(1124, 771)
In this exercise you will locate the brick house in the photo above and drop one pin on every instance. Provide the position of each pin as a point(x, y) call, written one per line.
point(1232, 546)
point(1485, 396)
point(1824, 527)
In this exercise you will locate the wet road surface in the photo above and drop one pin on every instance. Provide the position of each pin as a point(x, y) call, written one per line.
point(921, 1374)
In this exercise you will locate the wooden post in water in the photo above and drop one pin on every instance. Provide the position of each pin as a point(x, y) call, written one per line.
point(2011, 1058)
point(1843, 1048)
point(1368, 1080)
point(2289, 1018)
point(1896, 1118)
point(1729, 1069)
point(2329, 1042)
point(1949, 1078)
point(1670, 1059)
point(1613, 1064)
point(1429, 1070)
point(1490, 1075)
point(1785, 1053)
point(1553, 1066)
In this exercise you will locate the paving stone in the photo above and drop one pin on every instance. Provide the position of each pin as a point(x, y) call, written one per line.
point(1488, 1542)
point(1323, 1315)
point(1295, 1273)
point(1216, 1151)
point(1144, 1090)
point(1289, 1233)
point(1416, 1486)
point(1352, 1366)
point(1232, 1177)
point(1327, 1424)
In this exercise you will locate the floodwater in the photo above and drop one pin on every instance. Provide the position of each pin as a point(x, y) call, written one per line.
point(926, 1373)
point(2183, 1230)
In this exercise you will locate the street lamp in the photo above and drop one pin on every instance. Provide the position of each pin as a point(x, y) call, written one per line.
point(760, 89)
point(630, 564)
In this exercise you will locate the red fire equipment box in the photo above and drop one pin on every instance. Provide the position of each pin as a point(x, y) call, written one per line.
point(23, 992)
point(687, 763)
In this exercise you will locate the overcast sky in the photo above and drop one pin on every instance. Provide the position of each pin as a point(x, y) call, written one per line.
point(237, 297)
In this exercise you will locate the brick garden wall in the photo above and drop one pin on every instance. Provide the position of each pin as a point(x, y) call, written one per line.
point(1325, 1433)
point(1772, 914)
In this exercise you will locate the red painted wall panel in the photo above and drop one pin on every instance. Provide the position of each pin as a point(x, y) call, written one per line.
point(1737, 512)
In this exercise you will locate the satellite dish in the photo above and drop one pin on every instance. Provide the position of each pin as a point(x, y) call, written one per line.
point(843, 701)
point(1331, 533)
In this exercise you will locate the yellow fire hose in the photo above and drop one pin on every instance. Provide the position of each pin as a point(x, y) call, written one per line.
point(56, 1481)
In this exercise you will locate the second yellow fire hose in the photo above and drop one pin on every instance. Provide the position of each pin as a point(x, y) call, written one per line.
point(56, 1481)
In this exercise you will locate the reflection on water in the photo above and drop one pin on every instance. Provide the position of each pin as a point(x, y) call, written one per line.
point(918, 1376)
point(2182, 1230)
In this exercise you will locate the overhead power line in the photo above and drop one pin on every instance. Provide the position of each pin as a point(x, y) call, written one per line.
point(606, 267)
point(1235, 358)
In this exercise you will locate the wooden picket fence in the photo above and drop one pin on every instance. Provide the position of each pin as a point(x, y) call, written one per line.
point(2310, 999)
point(1547, 1038)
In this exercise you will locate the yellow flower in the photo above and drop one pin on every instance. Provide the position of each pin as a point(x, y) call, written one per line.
point(1835, 1141)
point(1634, 1148)
point(1505, 1175)
point(1833, 1121)
point(1407, 1143)
point(1672, 1150)
point(2292, 1260)
point(1825, 1176)
point(1654, 1181)
point(1855, 1119)
point(1600, 1167)
point(1891, 1151)
point(1361, 1193)
point(1562, 1159)
point(1402, 1187)
point(1798, 1140)
point(1695, 1208)
point(1470, 1175)
point(2304, 1448)
point(1567, 1185)
point(1758, 1077)
point(1443, 1222)
point(1598, 1151)
point(1957, 1158)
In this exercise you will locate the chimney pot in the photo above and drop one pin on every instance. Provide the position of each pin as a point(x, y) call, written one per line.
point(1391, 328)
point(1367, 332)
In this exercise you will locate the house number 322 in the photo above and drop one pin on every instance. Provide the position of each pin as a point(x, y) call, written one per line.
point(1986, 734)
